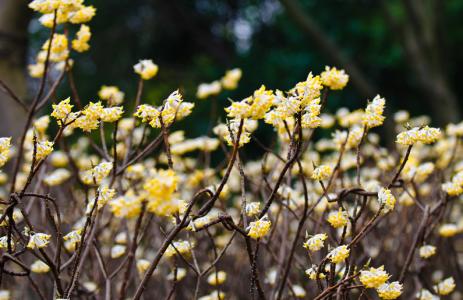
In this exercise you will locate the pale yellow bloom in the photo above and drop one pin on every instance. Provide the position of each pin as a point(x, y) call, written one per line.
point(373, 277)
point(146, 69)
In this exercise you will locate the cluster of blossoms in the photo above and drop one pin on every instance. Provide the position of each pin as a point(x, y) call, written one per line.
point(56, 12)
point(115, 201)
point(174, 108)
point(228, 82)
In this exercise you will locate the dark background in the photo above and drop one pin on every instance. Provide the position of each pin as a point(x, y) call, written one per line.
point(406, 50)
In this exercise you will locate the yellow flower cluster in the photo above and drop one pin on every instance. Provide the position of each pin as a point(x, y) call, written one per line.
point(57, 177)
point(259, 228)
point(230, 131)
point(80, 43)
point(38, 240)
point(322, 172)
point(182, 247)
point(312, 273)
point(254, 107)
point(445, 287)
point(126, 206)
point(427, 251)
point(97, 174)
point(112, 94)
point(206, 90)
point(231, 79)
point(448, 230)
point(160, 193)
point(72, 239)
point(424, 294)
point(62, 109)
point(391, 290)
point(74, 12)
point(43, 149)
point(338, 218)
point(174, 108)
point(425, 135)
point(316, 242)
point(334, 79)
point(146, 69)
point(373, 116)
point(217, 278)
point(5, 145)
point(339, 254)
point(252, 208)
point(386, 199)
point(39, 267)
point(228, 82)
point(373, 277)
point(454, 187)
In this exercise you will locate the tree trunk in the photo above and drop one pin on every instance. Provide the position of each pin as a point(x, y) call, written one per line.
point(14, 20)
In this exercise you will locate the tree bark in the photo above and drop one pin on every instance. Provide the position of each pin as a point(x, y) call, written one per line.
point(14, 20)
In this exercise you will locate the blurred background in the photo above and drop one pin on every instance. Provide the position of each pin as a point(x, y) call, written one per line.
point(408, 51)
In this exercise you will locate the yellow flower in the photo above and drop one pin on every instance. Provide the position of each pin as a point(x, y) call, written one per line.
point(316, 242)
point(4, 243)
point(373, 116)
point(452, 188)
point(206, 90)
point(127, 206)
point(217, 278)
point(308, 90)
point(259, 228)
point(41, 125)
point(142, 265)
point(322, 172)
point(38, 240)
point(97, 174)
point(72, 239)
point(181, 246)
point(252, 208)
point(5, 146)
point(112, 94)
point(181, 273)
point(57, 177)
point(117, 251)
point(231, 79)
point(424, 294)
point(425, 135)
point(45, 6)
point(445, 287)
point(80, 44)
point(160, 191)
point(312, 273)
point(448, 230)
point(146, 69)
point(36, 70)
point(5, 295)
point(334, 79)
point(311, 117)
point(386, 198)
point(339, 254)
point(83, 15)
point(59, 44)
point(427, 251)
point(62, 109)
point(111, 114)
point(39, 267)
point(147, 113)
point(338, 218)
point(43, 149)
point(390, 290)
point(373, 277)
